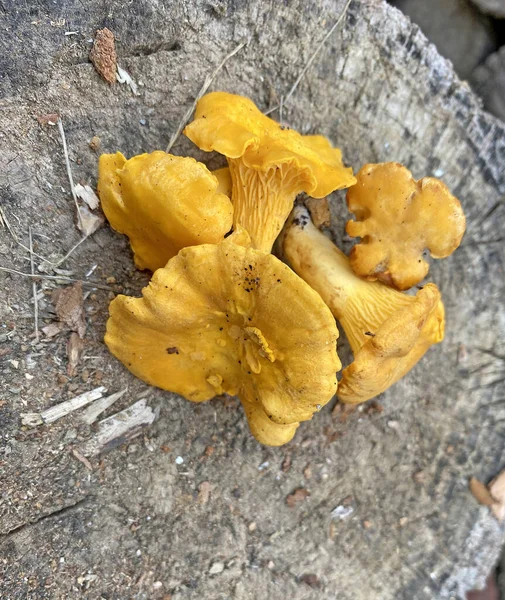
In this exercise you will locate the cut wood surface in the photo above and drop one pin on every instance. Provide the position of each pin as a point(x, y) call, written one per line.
point(135, 526)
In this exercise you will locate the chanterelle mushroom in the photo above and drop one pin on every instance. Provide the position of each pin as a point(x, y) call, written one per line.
point(163, 203)
point(398, 218)
point(269, 165)
point(388, 331)
point(227, 318)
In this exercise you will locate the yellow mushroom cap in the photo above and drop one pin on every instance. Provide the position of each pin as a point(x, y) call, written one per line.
point(229, 319)
point(398, 218)
point(388, 331)
point(269, 164)
point(162, 203)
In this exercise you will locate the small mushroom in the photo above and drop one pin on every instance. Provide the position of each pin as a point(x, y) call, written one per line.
point(163, 203)
point(399, 218)
point(230, 319)
point(269, 165)
point(388, 331)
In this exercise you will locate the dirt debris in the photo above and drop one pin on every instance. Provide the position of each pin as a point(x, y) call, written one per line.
point(299, 495)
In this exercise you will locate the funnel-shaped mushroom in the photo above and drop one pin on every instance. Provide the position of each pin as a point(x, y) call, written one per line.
point(269, 165)
point(398, 218)
point(229, 319)
point(162, 203)
point(388, 331)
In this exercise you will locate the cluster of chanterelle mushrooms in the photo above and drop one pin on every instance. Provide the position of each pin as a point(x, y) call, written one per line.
point(222, 314)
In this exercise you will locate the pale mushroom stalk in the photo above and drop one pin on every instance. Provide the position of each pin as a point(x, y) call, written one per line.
point(388, 331)
point(276, 188)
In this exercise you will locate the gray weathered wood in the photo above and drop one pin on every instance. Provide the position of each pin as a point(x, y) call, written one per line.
point(381, 92)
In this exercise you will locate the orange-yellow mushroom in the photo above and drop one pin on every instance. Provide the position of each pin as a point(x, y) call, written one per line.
point(388, 331)
point(163, 203)
point(269, 165)
point(399, 218)
point(230, 319)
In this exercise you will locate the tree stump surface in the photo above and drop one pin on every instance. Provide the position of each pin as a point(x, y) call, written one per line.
point(139, 525)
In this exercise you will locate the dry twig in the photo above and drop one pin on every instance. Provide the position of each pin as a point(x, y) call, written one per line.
point(69, 171)
point(307, 66)
point(94, 284)
point(34, 288)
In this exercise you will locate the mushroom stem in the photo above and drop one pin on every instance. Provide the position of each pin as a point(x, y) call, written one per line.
point(262, 200)
point(360, 306)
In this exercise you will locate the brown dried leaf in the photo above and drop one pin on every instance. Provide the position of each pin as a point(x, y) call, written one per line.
point(68, 303)
point(297, 496)
point(481, 493)
point(204, 492)
point(319, 211)
point(103, 55)
point(75, 346)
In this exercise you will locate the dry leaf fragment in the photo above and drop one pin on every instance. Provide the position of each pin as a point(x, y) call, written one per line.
point(480, 492)
point(75, 346)
point(319, 209)
point(52, 329)
point(68, 303)
point(204, 492)
point(297, 496)
point(86, 193)
point(103, 55)
point(89, 222)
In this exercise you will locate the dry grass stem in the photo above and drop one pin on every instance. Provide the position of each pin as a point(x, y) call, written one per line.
point(34, 289)
point(206, 84)
point(308, 64)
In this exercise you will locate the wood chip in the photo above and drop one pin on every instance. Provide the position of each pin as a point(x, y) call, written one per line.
point(319, 209)
point(297, 496)
point(60, 410)
point(68, 303)
point(204, 492)
point(64, 408)
point(91, 414)
point(119, 428)
point(103, 55)
point(75, 347)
